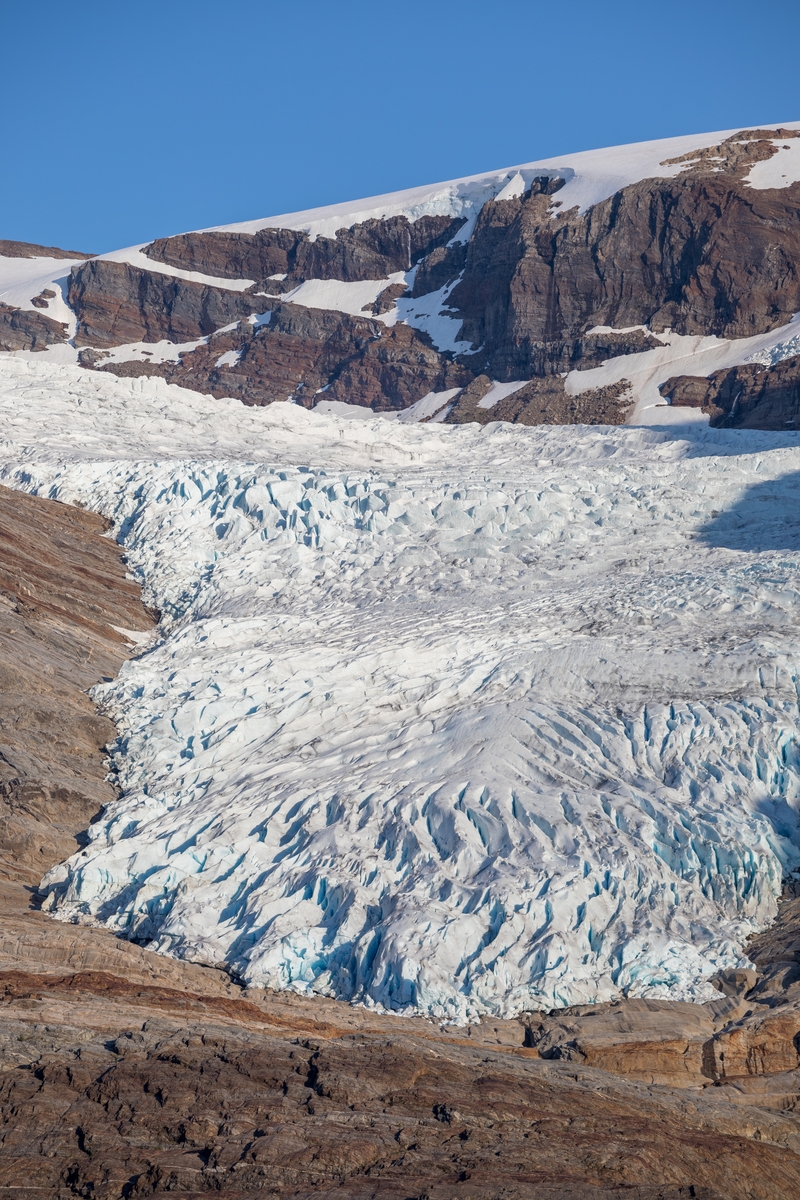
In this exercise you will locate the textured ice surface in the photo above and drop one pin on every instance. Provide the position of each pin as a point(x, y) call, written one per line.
point(775, 354)
point(457, 719)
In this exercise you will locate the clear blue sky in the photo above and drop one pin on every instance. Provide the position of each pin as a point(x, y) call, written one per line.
point(125, 121)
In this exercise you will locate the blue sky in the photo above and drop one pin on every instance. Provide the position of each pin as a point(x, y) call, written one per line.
point(125, 121)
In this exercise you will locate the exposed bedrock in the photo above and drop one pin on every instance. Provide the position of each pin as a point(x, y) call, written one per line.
point(116, 303)
point(539, 291)
point(395, 370)
point(12, 249)
point(62, 592)
point(701, 254)
point(369, 250)
point(544, 402)
point(750, 396)
point(302, 351)
point(21, 329)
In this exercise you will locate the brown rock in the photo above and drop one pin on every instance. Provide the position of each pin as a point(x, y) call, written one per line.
point(113, 1089)
point(766, 1042)
point(439, 268)
point(750, 396)
point(701, 253)
point(303, 351)
point(386, 300)
point(370, 250)
point(655, 1041)
point(21, 329)
point(116, 303)
point(395, 370)
point(544, 402)
point(737, 154)
point(10, 249)
point(59, 603)
point(43, 299)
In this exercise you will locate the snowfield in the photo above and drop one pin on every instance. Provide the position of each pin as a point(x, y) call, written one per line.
point(458, 720)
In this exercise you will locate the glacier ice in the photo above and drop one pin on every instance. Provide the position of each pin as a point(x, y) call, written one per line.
point(455, 720)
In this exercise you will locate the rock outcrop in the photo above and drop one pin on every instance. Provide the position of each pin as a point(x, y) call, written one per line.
point(369, 250)
point(12, 249)
point(116, 303)
point(63, 591)
point(700, 253)
point(21, 329)
point(535, 290)
point(750, 396)
point(543, 402)
point(117, 1090)
point(301, 353)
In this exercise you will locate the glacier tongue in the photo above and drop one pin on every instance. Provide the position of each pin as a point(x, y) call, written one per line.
point(457, 720)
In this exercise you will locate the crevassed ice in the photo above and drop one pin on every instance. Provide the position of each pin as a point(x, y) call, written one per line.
point(776, 354)
point(490, 732)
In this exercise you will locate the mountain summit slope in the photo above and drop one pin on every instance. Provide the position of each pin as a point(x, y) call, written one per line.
point(583, 288)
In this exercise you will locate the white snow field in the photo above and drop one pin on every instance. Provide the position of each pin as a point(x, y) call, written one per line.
point(457, 720)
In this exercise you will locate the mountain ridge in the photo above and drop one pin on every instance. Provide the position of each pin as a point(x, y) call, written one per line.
point(536, 272)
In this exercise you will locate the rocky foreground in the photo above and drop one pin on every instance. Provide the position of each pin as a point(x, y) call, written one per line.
point(125, 1074)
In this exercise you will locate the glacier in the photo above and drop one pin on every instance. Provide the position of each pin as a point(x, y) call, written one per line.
point(450, 720)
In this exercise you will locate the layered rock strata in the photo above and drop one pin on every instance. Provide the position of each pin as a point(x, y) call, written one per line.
point(368, 250)
point(21, 329)
point(63, 592)
point(750, 396)
point(702, 253)
point(536, 289)
point(112, 1089)
point(117, 303)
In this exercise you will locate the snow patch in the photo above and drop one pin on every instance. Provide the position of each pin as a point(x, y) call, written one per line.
point(680, 355)
point(23, 278)
point(516, 186)
point(349, 412)
point(154, 352)
point(352, 298)
point(134, 256)
point(499, 391)
point(427, 314)
point(427, 408)
point(781, 170)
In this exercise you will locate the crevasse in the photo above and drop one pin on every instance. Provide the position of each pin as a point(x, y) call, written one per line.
point(507, 720)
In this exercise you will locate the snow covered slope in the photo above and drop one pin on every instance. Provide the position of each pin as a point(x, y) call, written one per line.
point(577, 285)
point(591, 175)
point(461, 720)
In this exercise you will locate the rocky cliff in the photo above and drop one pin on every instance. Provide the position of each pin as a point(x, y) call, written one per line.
point(536, 273)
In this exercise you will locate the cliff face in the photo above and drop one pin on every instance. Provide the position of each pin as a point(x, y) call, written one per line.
point(750, 396)
point(522, 282)
point(701, 255)
point(369, 250)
